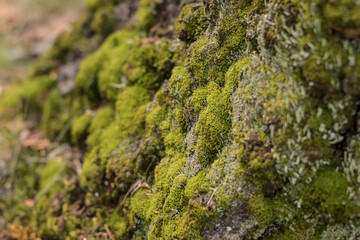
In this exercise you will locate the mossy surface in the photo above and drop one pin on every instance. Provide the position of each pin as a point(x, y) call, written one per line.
point(247, 129)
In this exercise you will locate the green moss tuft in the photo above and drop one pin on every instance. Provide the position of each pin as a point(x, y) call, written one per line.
point(343, 15)
point(146, 14)
point(101, 120)
point(214, 124)
point(191, 22)
point(104, 21)
point(79, 127)
point(329, 193)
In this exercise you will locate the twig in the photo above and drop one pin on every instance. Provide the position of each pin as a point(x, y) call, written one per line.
point(211, 197)
point(132, 189)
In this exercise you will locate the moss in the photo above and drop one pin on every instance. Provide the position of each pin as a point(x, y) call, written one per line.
point(176, 200)
point(266, 95)
point(155, 117)
point(92, 171)
point(58, 112)
point(146, 14)
point(167, 170)
point(197, 184)
point(30, 94)
point(329, 193)
point(165, 54)
point(140, 203)
point(174, 139)
point(210, 59)
point(101, 120)
point(156, 204)
point(131, 108)
point(64, 44)
point(139, 67)
point(343, 15)
point(105, 72)
point(198, 99)
point(184, 212)
point(191, 22)
point(95, 5)
point(117, 224)
point(104, 21)
point(44, 221)
point(194, 220)
point(262, 209)
point(79, 127)
point(214, 125)
point(96, 70)
point(196, 65)
point(49, 173)
point(51, 108)
point(180, 84)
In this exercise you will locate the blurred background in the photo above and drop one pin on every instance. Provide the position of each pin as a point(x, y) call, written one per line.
point(28, 28)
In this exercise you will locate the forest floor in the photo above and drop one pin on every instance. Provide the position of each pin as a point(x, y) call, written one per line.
point(27, 29)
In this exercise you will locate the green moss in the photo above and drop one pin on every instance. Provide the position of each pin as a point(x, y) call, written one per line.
point(146, 14)
point(79, 127)
point(117, 224)
point(183, 211)
point(329, 193)
point(343, 15)
point(165, 54)
point(176, 200)
point(131, 108)
point(190, 224)
point(214, 124)
point(167, 170)
point(64, 44)
point(235, 73)
point(156, 204)
point(92, 171)
point(196, 65)
point(122, 61)
point(273, 88)
point(96, 73)
point(29, 94)
point(58, 112)
point(43, 220)
point(180, 84)
point(139, 67)
point(95, 5)
point(140, 203)
point(49, 172)
point(262, 209)
point(198, 99)
point(174, 139)
point(101, 120)
point(210, 59)
point(191, 22)
point(197, 184)
point(104, 21)
point(155, 117)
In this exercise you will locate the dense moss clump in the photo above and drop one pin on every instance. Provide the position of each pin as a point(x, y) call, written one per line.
point(191, 22)
point(243, 127)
